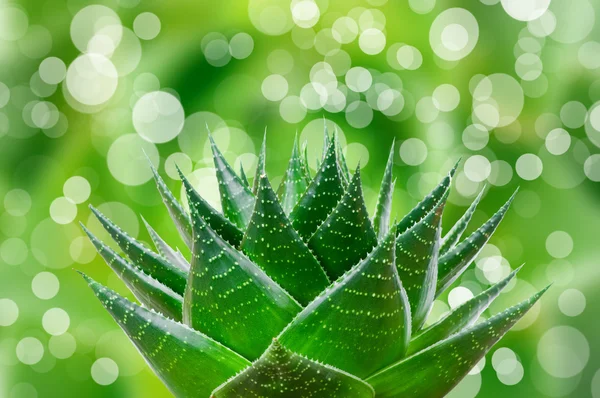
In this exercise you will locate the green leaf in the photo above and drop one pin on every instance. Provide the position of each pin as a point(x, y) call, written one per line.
point(325, 140)
point(236, 198)
point(346, 236)
point(150, 262)
point(453, 236)
point(433, 372)
point(452, 264)
point(428, 203)
point(189, 363)
point(282, 373)
point(272, 243)
point(361, 323)
point(260, 167)
point(225, 228)
point(321, 197)
point(383, 210)
point(416, 259)
point(176, 211)
point(343, 165)
point(463, 316)
point(172, 256)
point(304, 159)
point(231, 299)
point(243, 176)
point(146, 289)
point(294, 183)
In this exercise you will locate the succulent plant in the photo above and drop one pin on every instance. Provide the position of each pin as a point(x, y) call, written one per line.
point(300, 293)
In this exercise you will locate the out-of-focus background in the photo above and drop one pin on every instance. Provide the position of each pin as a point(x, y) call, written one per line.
point(511, 86)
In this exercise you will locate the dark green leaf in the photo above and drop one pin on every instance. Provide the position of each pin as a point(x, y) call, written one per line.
point(150, 262)
point(231, 299)
point(383, 210)
point(361, 323)
point(433, 372)
point(146, 289)
point(189, 363)
point(225, 228)
point(343, 165)
point(272, 243)
point(453, 236)
point(452, 264)
point(416, 259)
point(294, 183)
point(260, 167)
point(428, 203)
point(172, 256)
point(243, 176)
point(236, 198)
point(304, 159)
point(176, 211)
point(346, 236)
point(462, 317)
point(321, 197)
point(283, 374)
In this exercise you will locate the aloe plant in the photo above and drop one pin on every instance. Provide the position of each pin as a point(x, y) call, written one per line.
point(298, 292)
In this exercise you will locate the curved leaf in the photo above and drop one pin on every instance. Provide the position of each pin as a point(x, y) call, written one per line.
point(383, 209)
point(172, 256)
point(304, 160)
point(452, 264)
point(294, 183)
point(346, 236)
point(243, 176)
point(189, 363)
point(321, 197)
point(463, 316)
point(428, 203)
point(433, 372)
point(225, 228)
point(150, 262)
point(281, 373)
point(146, 289)
point(342, 164)
point(272, 243)
point(176, 211)
point(236, 198)
point(231, 299)
point(453, 236)
point(416, 259)
point(361, 323)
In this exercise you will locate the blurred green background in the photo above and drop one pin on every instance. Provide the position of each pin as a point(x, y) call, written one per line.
point(512, 87)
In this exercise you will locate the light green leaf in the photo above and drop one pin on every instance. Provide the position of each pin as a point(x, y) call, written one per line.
point(453, 236)
point(189, 363)
point(433, 372)
point(236, 198)
point(361, 323)
point(383, 210)
point(225, 228)
point(272, 243)
point(282, 373)
point(463, 316)
point(146, 289)
point(452, 264)
point(172, 256)
point(304, 159)
point(231, 299)
point(428, 203)
point(294, 183)
point(176, 211)
point(416, 259)
point(346, 236)
point(260, 167)
point(148, 261)
point(321, 197)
